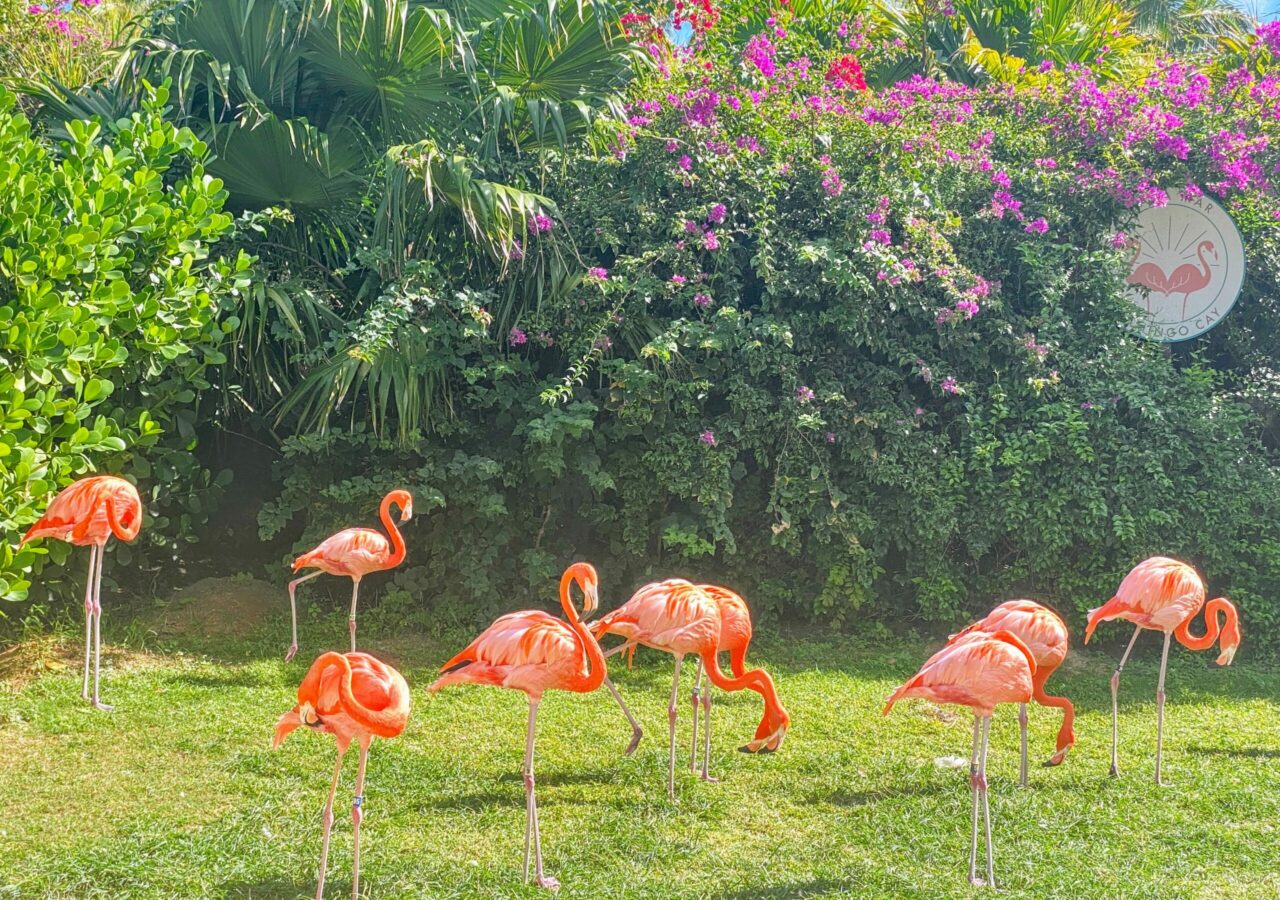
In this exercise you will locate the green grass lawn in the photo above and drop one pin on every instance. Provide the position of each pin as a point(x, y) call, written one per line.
point(178, 794)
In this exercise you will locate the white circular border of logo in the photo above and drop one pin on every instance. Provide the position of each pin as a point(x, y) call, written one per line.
point(1188, 268)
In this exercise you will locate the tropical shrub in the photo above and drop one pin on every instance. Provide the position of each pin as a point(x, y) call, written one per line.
point(66, 42)
point(109, 304)
point(857, 353)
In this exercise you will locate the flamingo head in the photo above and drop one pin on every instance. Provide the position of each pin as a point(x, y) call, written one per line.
point(771, 731)
point(1229, 643)
point(404, 500)
point(302, 714)
point(1208, 247)
point(584, 574)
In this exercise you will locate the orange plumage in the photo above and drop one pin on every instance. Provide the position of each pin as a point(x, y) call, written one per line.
point(533, 652)
point(1045, 635)
point(1163, 594)
point(980, 671)
point(351, 696)
point(88, 513)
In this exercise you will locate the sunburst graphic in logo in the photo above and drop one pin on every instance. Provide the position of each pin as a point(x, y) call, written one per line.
point(1187, 267)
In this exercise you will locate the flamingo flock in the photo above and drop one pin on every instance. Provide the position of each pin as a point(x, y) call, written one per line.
point(1004, 658)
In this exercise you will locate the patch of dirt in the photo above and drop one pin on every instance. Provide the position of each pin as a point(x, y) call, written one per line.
point(215, 607)
point(25, 661)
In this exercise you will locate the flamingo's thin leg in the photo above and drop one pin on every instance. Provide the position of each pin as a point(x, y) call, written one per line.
point(973, 788)
point(97, 632)
point(357, 815)
point(293, 611)
point(531, 823)
point(1164, 664)
point(636, 732)
point(1022, 726)
point(706, 736)
point(695, 697)
point(986, 802)
point(88, 618)
point(1115, 705)
point(328, 822)
point(351, 620)
point(671, 720)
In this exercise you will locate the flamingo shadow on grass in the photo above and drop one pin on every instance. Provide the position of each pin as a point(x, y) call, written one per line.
point(513, 796)
point(870, 797)
point(818, 887)
point(277, 889)
point(1242, 752)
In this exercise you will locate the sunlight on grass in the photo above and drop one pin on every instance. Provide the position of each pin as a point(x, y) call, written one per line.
point(178, 793)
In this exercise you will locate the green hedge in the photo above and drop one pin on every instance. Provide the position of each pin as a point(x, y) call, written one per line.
point(108, 319)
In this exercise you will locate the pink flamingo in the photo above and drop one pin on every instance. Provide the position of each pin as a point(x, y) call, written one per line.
point(1045, 635)
point(1162, 594)
point(354, 553)
point(980, 671)
point(1187, 279)
point(88, 512)
point(679, 617)
point(1147, 275)
point(532, 651)
point(349, 696)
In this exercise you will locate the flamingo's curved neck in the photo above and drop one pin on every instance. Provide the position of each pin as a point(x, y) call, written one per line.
point(1066, 733)
point(1212, 626)
point(595, 659)
point(397, 541)
point(757, 680)
point(1203, 262)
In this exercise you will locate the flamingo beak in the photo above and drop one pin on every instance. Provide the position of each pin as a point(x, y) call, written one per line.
point(593, 599)
point(406, 512)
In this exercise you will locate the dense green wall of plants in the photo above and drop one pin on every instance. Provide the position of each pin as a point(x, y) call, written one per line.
point(864, 355)
point(109, 328)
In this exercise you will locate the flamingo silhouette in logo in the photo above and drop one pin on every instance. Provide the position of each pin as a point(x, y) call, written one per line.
point(1184, 280)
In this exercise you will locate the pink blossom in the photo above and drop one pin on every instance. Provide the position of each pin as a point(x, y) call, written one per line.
point(702, 301)
point(1037, 226)
point(804, 394)
point(708, 438)
point(685, 163)
point(598, 273)
point(517, 338)
point(678, 279)
point(949, 385)
point(717, 213)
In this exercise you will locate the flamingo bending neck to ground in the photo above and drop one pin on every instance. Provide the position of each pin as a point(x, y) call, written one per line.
point(679, 618)
point(88, 512)
point(980, 671)
point(532, 651)
point(1045, 635)
point(1162, 594)
point(349, 696)
point(354, 553)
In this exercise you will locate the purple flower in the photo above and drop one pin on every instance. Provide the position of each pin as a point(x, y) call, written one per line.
point(1086, 405)
point(1120, 240)
point(949, 385)
point(702, 301)
point(919, 410)
point(602, 343)
point(540, 222)
point(969, 308)
point(831, 437)
point(686, 163)
point(880, 236)
point(804, 394)
point(1037, 226)
point(678, 279)
point(691, 227)
point(671, 146)
point(708, 438)
point(710, 241)
point(598, 273)
point(517, 338)
point(717, 214)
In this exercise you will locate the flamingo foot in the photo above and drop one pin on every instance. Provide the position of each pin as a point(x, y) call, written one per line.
point(293, 648)
point(710, 779)
point(636, 734)
point(978, 882)
point(102, 707)
point(546, 881)
point(1115, 771)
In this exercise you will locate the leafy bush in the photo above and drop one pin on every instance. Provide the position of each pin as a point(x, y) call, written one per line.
point(108, 308)
point(67, 41)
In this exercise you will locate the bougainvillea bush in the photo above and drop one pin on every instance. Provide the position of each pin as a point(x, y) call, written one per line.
point(109, 324)
point(863, 352)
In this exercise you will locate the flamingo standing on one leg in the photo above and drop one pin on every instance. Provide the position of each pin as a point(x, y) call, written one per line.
point(679, 617)
point(1045, 634)
point(1162, 594)
point(532, 651)
point(980, 671)
point(349, 696)
point(88, 512)
point(353, 552)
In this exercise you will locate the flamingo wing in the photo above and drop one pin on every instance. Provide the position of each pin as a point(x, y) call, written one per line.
point(529, 650)
point(81, 513)
point(1037, 626)
point(673, 615)
point(352, 552)
point(976, 670)
point(1159, 593)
